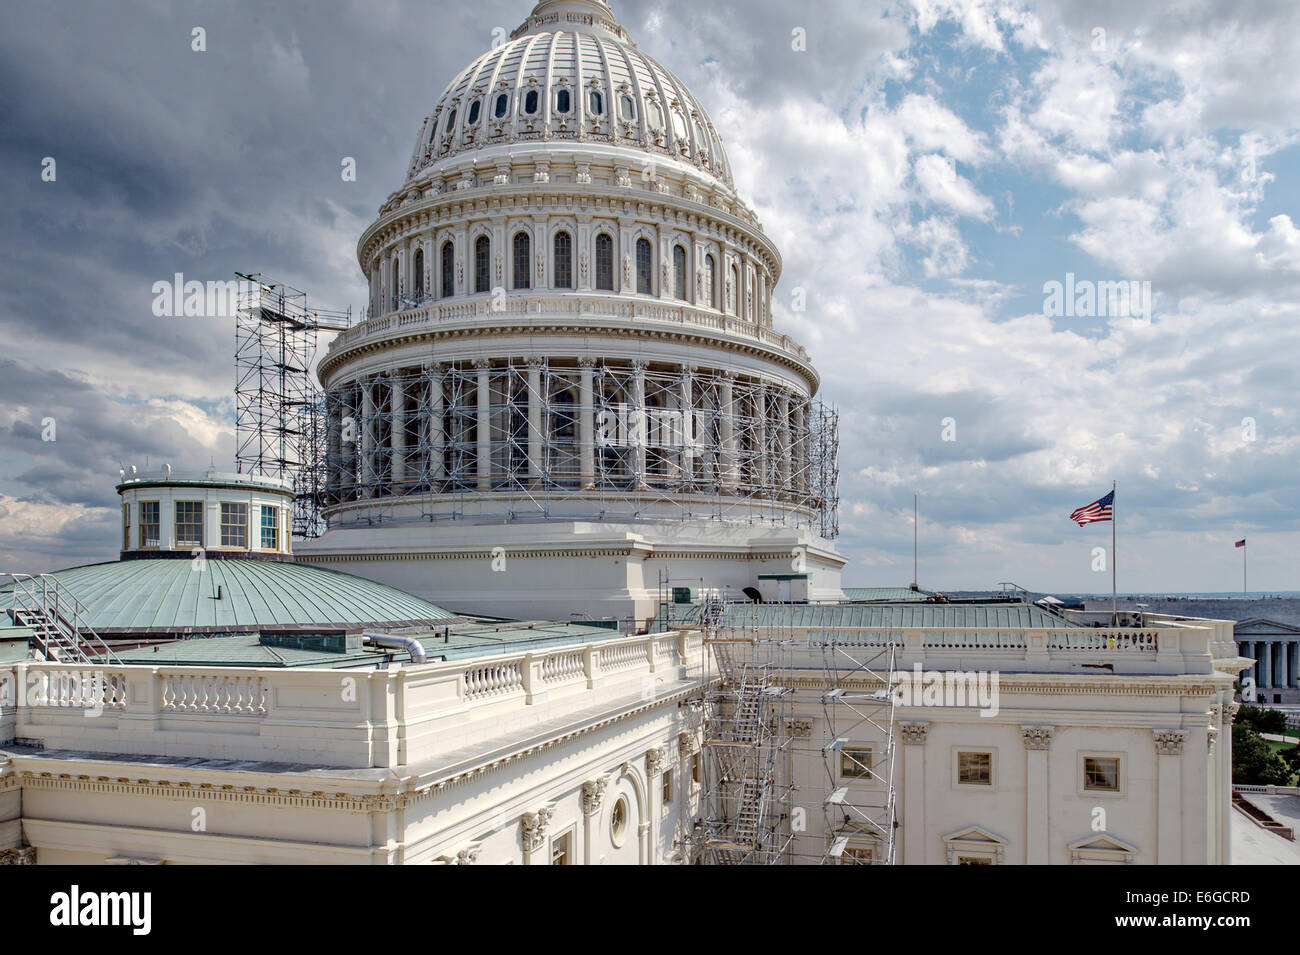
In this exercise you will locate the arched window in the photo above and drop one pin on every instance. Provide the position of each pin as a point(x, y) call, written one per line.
point(521, 260)
point(563, 260)
point(396, 288)
point(733, 299)
point(595, 103)
point(679, 272)
point(628, 108)
point(654, 117)
point(473, 112)
point(530, 102)
point(451, 122)
point(562, 101)
point(604, 262)
point(710, 281)
point(419, 274)
point(482, 264)
point(644, 267)
point(448, 270)
point(503, 104)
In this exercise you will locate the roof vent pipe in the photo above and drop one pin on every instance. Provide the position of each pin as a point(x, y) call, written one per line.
point(394, 642)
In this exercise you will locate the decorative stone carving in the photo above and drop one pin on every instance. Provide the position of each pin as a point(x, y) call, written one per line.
point(685, 744)
point(1037, 737)
point(622, 177)
point(1169, 742)
point(542, 172)
point(533, 825)
point(502, 178)
point(582, 266)
point(914, 734)
point(467, 856)
point(23, 856)
point(593, 794)
point(654, 761)
point(584, 173)
point(627, 271)
point(1210, 739)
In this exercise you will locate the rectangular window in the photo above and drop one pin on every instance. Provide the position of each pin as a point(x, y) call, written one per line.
point(668, 786)
point(1101, 773)
point(150, 527)
point(270, 528)
point(562, 849)
point(975, 769)
point(234, 524)
point(855, 763)
point(126, 527)
point(189, 523)
point(695, 768)
point(857, 855)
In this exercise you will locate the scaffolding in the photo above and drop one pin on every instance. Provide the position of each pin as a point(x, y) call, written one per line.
point(279, 410)
point(569, 439)
point(795, 724)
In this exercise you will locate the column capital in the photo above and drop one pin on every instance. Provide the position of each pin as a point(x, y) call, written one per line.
point(586, 363)
point(914, 733)
point(593, 794)
point(1037, 737)
point(535, 364)
point(533, 826)
point(482, 364)
point(654, 761)
point(640, 364)
point(1169, 742)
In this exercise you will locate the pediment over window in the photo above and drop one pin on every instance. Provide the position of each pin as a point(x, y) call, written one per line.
point(1102, 849)
point(974, 845)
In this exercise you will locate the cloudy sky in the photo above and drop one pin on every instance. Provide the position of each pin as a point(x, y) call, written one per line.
point(925, 166)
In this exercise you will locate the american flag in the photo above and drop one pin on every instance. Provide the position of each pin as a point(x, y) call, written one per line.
point(1240, 543)
point(1098, 510)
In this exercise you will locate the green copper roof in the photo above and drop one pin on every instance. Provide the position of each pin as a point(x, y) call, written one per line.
point(171, 596)
point(891, 594)
point(1013, 616)
point(461, 641)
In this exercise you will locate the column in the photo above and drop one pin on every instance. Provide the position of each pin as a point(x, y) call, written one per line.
point(533, 826)
point(535, 420)
point(398, 432)
point(654, 767)
point(593, 796)
point(586, 424)
point(726, 414)
point(1169, 798)
point(366, 427)
point(762, 461)
point(784, 451)
point(1038, 740)
point(913, 825)
point(483, 449)
point(433, 431)
point(686, 404)
point(637, 424)
point(333, 446)
point(801, 481)
point(1266, 656)
point(348, 442)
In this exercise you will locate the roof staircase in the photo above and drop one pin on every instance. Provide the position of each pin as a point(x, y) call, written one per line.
point(58, 620)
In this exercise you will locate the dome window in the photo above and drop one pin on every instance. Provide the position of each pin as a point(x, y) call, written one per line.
point(679, 272)
point(448, 271)
point(710, 280)
point(530, 102)
point(482, 270)
point(562, 101)
point(644, 267)
point(503, 104)
point(654, 117)
point(627, 108)
point(679, 125)
point(419, 274)
point(522, 257)
point(451, 122)
point(595, 103)
point(563, 260)
point(604, 262)
point(474, 111)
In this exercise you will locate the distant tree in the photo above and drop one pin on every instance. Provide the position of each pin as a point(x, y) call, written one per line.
point(1253, 763)
point(1291, 757)
point(1261, 719)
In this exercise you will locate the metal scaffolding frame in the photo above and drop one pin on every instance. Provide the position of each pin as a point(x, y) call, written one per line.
point(278, 407)
point(578, 439)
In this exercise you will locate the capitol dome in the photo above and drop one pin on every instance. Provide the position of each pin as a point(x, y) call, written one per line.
point(570, 74)
point(569, 351)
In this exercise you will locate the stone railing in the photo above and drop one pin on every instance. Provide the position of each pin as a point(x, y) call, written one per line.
point(593, 309)
point(1182, 650)
point(337, 718)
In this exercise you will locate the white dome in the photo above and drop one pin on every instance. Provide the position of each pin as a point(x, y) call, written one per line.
point(570, 74)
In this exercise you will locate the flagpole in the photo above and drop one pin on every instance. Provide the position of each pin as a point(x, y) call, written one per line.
point(1114, 592)
point(1243, 569)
